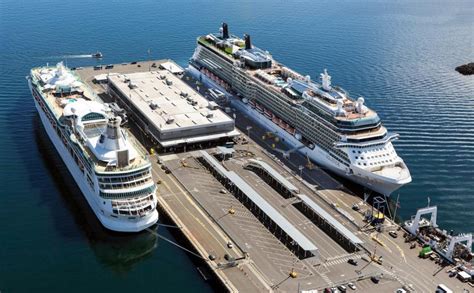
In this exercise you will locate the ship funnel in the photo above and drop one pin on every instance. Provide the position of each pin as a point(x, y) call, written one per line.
point(225, 31)
point(112, 139)
point(113, 128)
point(248, 44)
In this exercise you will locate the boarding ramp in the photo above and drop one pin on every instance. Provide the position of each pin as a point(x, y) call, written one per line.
point(273, 178)
point(328, 223)
point(296, 242)
point(459, 239)
point(413, 225)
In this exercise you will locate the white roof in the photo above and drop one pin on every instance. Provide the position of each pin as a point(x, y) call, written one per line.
point(82, 107)
point(464, 275)
point(277, 176)
point(101, 77)
point(330, 219)
point(172, 67)
point(170, 104)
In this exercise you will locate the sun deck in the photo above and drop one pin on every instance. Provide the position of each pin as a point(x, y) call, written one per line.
point(58, 97)
point(280, 79)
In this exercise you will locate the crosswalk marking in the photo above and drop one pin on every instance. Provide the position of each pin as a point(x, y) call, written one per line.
point(340, 260)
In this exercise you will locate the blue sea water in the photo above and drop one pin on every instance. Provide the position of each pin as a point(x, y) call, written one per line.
point(399, 55)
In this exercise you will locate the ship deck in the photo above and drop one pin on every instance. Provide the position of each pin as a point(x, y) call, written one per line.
point(54, 102)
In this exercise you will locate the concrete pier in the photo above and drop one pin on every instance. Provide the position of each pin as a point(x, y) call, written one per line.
point(236, 243)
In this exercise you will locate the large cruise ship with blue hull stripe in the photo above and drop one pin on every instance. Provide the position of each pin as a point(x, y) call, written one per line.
point(109, 166)
point(319, 119)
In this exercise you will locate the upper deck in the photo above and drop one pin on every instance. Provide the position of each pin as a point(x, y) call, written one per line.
point(86, 119)
point(344, 111)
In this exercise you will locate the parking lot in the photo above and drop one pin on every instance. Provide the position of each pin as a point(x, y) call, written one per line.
point(271, 256)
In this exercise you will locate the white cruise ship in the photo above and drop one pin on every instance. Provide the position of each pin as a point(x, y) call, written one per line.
point(109, 166)
point(321, 120)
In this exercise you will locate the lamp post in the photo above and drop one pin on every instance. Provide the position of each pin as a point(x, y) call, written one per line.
point(248, 135)
point(301, 167)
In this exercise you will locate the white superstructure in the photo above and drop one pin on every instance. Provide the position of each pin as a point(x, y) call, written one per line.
point(321, 120)
point(109, 166)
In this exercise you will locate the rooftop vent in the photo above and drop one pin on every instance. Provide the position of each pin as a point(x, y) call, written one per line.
point(184, 94)
point(212, 105)
point(169, 120)
point(153, 106)
point(131, 85)
point(209, 114)
point(169, 82)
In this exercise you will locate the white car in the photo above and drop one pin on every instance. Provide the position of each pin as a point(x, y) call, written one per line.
point(352, 286)
point(400, 290)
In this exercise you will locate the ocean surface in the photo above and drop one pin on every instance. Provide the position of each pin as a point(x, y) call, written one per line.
point(399, 55)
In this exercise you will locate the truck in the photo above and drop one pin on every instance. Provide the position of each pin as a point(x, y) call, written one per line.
point(425, 251)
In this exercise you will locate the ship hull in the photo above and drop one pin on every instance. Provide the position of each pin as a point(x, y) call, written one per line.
point(92, 198)
point(318, 155)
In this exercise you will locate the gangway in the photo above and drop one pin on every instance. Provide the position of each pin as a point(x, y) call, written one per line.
point(413, 225)
point(458, 239)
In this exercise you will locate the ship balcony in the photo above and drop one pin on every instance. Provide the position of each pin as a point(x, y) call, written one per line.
point(366, 140)
point(127, 182)
point(134, 206)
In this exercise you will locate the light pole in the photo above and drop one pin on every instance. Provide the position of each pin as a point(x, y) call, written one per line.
point(149, 59)
point(248, 135)
point(301, 167)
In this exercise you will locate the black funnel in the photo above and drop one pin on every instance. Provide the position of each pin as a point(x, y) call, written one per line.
point(225, 31)
point(248, 44)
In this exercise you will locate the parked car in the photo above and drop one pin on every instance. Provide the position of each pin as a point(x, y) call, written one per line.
point(342, 288)
point(352, 286)
point(375, 279)
point(352, 261)
point(393, 234)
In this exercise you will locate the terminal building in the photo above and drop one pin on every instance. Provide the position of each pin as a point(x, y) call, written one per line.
point(170, 111)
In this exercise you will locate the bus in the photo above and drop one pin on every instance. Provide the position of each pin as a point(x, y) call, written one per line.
point(443, 289)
